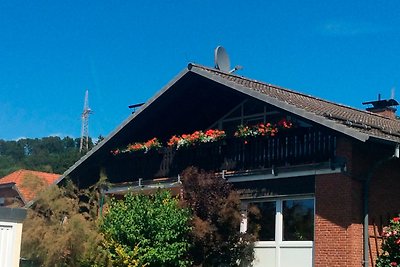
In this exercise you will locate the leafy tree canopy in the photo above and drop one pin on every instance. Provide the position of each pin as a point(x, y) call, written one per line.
point(215, 206)
point(48, 154)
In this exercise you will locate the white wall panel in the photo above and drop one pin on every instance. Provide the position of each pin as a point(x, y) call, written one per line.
point(6, 245)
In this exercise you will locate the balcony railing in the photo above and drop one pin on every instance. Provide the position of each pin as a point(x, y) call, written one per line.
point(231, 154)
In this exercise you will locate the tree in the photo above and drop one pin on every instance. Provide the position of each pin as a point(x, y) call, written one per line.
point(49, 154)
point(150, 230)
point(99, 139)
point(216, 238)
point(55, 233)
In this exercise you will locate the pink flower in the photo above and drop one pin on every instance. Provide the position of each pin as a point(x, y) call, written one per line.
point(393, 263)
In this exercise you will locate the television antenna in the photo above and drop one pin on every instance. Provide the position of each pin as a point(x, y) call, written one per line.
point(84, 144)
point(222, 61)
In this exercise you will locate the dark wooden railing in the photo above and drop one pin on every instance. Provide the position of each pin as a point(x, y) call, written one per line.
point(232, 154)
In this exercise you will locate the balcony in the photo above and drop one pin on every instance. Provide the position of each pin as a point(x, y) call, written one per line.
point(230, 154)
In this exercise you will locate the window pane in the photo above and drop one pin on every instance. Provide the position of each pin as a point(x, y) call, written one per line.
point(261, 220)
point(298, 220)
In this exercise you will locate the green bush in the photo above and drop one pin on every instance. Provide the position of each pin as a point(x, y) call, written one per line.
point(147, 231)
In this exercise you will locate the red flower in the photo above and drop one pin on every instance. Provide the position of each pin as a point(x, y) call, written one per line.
point(396, 219)
point(115, 152)
point(393, 263)
point(173, 140)
point(185, 140)
point(284, 123)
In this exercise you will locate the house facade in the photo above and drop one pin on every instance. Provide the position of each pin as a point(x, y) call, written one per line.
point(321, 175)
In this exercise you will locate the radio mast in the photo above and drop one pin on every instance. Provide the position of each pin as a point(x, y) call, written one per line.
point(84, 146)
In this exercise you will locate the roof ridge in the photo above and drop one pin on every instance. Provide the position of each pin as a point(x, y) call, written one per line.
point(291, 91)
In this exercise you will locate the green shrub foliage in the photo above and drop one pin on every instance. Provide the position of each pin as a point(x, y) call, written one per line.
point(151, 230)
point(391, 245)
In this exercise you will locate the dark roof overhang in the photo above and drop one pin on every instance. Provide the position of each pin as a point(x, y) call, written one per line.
point(194, 99)
point(189, 102)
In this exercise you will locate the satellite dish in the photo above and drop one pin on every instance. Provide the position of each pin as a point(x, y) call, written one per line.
point(221, 59)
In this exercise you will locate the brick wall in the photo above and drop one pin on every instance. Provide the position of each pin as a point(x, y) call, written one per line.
point(385, 191)
point(338, 224)
point(338, 229)
point(384, 199)
point(339, 202)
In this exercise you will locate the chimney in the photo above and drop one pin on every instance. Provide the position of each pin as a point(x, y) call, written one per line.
point(385, 107)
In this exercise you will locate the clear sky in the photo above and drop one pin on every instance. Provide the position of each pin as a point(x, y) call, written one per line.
point(125, 51)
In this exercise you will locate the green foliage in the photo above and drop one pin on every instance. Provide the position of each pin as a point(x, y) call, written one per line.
point(49, 154)
point(391, 245)
point(216, 221)
point(111, 253)
point(151, 230)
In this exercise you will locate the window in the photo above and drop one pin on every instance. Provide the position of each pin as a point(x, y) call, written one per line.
point(261, 220)
point(298, 220)
point(282, 220)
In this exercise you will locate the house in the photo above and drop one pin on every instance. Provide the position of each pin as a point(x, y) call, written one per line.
point(21, 187)
point(322, 181)
point(11, 220)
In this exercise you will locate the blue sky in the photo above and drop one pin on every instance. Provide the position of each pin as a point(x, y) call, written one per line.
point(125, 51)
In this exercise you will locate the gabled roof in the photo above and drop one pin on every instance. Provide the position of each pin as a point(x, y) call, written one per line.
point(23, 180)
point(359, 124)
point(208, 87)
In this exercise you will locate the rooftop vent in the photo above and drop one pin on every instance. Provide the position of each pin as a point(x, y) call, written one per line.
point(385, 107)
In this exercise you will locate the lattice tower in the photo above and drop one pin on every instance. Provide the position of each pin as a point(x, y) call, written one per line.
point(84, 145)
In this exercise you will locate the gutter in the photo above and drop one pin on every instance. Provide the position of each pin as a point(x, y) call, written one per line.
point(366, 187)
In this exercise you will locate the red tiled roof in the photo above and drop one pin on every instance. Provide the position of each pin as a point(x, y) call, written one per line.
point(363, 121)
point(21, 178)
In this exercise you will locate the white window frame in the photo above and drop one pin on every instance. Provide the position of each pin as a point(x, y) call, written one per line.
point(278, 242)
